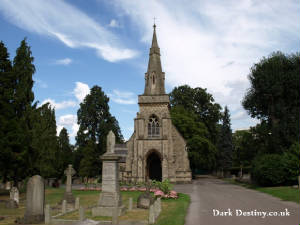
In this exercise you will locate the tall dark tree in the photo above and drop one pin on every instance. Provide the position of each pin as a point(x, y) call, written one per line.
point(225, 145)
point(65, 152)
point(18, 137)
point(7, 117)
point(274, 98)
point(95, 121)
point(45, 154)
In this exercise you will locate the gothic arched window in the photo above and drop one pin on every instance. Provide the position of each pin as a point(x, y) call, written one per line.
point(153, 127)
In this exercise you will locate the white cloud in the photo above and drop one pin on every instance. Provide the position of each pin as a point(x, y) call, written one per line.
point(213, 44)
point(58, 19)
point(125, 98)
point(114, 23)
point(67, 120)
point(81, 90)
point(58, 129)
point(65, 61)
point(59, 105)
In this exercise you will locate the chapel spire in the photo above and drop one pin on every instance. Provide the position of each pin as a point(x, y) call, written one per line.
point(154, 77)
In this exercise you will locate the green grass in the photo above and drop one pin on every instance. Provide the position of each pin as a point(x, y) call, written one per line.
point(285, 193)
point(174, 210)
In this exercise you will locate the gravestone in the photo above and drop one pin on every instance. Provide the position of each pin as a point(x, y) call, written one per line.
point(47, 214)
point(81, 213)
point(130, 204)
point(110, 197)
point(145, 199)
point(68, 196)
point(35, 198)
point(64, 207)
point(8, 185)
point(13, 201)
point(151, 214)
point(77, 203)
point(14, 194)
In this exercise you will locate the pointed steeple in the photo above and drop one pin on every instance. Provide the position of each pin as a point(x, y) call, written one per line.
point(154, 77)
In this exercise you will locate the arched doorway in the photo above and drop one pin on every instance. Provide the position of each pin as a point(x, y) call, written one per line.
point(154, 171)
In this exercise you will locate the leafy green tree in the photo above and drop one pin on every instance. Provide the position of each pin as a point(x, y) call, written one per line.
point(244, 149)
point(274, 98)
point(225, 145)
point(202, 153)
point(201, 103)
point(95, 121)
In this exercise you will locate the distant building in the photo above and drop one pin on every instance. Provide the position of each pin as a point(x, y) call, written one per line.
point(156, 150)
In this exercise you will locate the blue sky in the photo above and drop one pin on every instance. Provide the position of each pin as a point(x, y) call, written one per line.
point(210, 44)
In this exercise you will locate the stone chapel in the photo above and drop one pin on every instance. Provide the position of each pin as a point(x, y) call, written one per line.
point(156, 150)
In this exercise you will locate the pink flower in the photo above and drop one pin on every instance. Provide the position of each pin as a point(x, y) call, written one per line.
point(124, 188)
point(173, 193)
point(133, 189)
point(142, 189)
point(158, 193)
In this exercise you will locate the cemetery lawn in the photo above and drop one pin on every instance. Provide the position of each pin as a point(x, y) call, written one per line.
point(173, 210)
point(285, 193)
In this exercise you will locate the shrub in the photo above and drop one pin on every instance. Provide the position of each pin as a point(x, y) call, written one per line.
point(268, 170)
point(291, 164)
point(165, 186)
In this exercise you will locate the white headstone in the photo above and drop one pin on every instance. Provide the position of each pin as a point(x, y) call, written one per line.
point(81, 213)
point(14, 194)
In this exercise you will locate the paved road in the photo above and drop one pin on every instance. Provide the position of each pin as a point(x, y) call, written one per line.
point(208, 194)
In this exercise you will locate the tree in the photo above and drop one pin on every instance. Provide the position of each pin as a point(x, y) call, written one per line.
point(225, 145)
point(6, 111)
point(95, 121)
point(17, 136)
point(274, 98)
point(201, 103)
point(202, 153)
point(45, 155)
point(244, 149)
point(65, 151)
point(89, 163)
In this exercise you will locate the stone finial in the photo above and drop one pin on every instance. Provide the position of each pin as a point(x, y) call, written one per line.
point(111, 141)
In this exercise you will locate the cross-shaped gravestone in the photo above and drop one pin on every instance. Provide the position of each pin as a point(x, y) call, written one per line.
point(69, 172)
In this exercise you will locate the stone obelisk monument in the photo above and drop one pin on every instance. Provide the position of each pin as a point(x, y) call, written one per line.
point(110, 198)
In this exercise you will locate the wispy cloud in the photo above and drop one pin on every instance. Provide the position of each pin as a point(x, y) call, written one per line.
point(81, 90)
point(40, 83)
point(65, 61)
point(60, 105)
point(58, 19)
point(125, 98)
